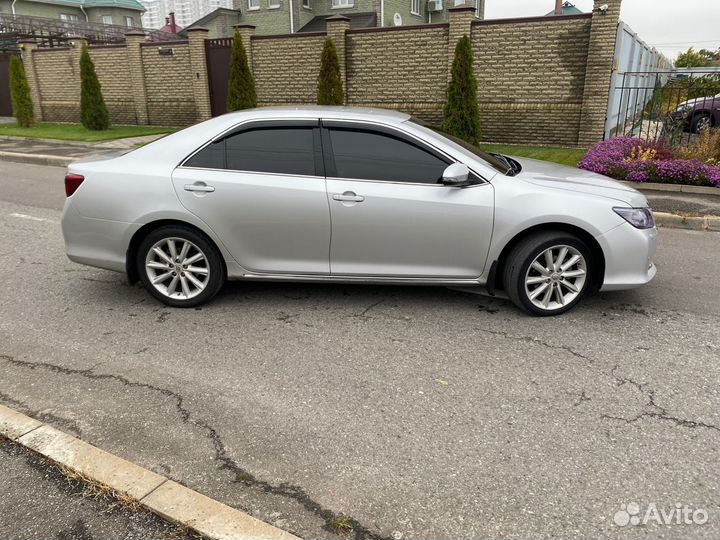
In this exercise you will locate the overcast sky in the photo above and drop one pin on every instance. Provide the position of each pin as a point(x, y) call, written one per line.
point(670, 25)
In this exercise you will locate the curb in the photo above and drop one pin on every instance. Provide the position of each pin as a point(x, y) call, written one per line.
point(673, 188)
point(37, 159)
point(699, 223)
point(156, 493)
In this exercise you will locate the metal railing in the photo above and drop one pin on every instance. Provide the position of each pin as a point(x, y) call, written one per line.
point(53, 32)
point(666, 106)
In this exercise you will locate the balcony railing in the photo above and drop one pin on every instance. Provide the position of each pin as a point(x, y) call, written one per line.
point(54, 32)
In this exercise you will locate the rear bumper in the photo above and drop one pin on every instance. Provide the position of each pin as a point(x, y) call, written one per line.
point(96, 242)
point(629, 254)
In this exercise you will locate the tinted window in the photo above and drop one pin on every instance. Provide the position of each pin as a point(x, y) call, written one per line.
point(371, 155)
point(272, 150)
point(210, 157)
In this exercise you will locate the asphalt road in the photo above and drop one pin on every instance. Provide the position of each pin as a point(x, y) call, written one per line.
point(39, 502)
point(419, 412)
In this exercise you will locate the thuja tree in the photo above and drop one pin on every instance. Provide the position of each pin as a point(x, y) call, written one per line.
point(93, 112)
point(22, 104)
point(241, 88)
point(330, 88)
point(462, 112)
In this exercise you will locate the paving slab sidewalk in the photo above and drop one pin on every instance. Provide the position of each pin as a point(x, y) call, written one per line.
point(62, 153)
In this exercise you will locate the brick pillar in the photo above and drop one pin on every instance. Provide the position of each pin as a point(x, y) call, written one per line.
point(460, 19)
point(600, 66)
point(199, 72)
point(247, 31)
point(28, 47)
point(133, 42)
point(337, 25)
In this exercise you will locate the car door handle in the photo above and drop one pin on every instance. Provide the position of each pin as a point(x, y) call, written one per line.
point(348, 196)
point(199, 186)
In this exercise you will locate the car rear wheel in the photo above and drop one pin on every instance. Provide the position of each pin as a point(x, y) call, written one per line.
point(179, 266)
point(700, 123)
point(548, 273)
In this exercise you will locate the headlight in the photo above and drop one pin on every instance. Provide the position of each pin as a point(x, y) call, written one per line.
point(640, 218)
point(684, 107)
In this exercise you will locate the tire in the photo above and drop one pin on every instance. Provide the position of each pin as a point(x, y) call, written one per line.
point(522, 279)
point(176, 284)
point(700, 122)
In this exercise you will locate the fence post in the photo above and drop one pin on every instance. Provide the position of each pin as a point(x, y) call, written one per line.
point(199, 72)
point(599, 70)
point(460, 24)
point(28, 47)
point(247, 31)
point(337, 25)
point(133, 42)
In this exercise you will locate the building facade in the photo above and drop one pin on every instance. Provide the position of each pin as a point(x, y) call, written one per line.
point(116, 12)
point(186, 11)
point(301, 16)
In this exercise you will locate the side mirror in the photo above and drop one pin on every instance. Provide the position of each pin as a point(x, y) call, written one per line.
point(456, 175)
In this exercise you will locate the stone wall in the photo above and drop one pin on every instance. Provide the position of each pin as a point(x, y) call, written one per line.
point(531, 76)
point(542, 80)
point(286, 68)
point(164, 85)
point(399, 69)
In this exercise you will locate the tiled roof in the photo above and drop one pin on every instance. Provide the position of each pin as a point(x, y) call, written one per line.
point(568, 9)
point(357, 20)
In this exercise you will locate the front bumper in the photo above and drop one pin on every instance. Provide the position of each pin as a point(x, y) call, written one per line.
point(629, 254)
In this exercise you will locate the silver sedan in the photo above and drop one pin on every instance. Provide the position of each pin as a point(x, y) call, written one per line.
point(351, 195)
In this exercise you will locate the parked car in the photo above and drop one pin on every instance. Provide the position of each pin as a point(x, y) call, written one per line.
point(348, 195)
point(698, 114)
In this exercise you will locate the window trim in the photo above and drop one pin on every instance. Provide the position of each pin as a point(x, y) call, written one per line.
point(130, 20)
point(306, 4)
point(328, 152)
point(253, 8)
point(397, 132)
point(103, 17)
point(274, 4)
point(413, 4)
point(342, 4)
point(69, 17)
point(250, 125)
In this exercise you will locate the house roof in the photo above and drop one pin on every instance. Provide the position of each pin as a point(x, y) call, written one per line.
point(567, 9)
point(209, 17)
point(357, 20)
point(125, 4)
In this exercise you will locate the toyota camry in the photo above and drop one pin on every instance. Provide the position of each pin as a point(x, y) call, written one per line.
point(347, 195)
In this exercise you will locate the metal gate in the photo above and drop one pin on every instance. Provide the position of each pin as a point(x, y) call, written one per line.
point(5, 102)
point(671, 107)
point(218, 52)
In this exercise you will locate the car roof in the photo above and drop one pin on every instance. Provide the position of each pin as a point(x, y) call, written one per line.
point(320, 111)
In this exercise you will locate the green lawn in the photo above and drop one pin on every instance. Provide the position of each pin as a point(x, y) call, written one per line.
point(75, 132)
point(564, 156)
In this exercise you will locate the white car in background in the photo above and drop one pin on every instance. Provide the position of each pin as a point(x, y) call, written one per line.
point(345, 195)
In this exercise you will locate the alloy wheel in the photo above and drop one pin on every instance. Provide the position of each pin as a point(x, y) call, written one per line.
point(556, 277)
point(177, 268)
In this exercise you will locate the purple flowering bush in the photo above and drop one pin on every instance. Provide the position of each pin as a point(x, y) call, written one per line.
point(628, 158)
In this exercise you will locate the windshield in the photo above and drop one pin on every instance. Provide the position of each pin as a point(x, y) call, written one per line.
point(496, 162)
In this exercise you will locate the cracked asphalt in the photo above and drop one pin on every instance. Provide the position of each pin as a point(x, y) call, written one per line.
point(417, 412)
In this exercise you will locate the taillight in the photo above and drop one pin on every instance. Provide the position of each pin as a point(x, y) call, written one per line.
point(72, 182)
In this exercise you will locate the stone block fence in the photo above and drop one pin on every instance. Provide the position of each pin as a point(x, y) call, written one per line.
point(541, 80)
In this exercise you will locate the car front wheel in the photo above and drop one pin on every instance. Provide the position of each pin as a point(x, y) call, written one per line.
point(179, 266)
point(548, 273)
